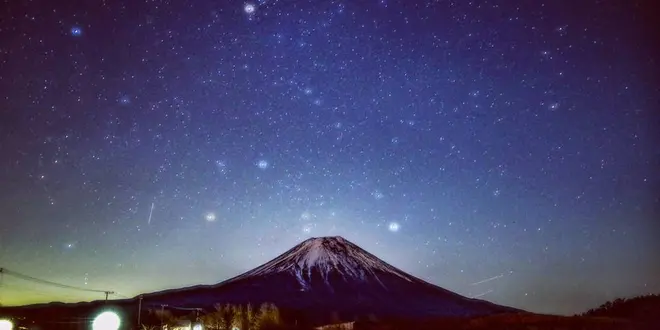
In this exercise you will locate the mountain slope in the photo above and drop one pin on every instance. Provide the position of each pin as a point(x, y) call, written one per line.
point(330, 275)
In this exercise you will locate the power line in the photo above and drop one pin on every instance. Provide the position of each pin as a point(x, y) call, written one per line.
point(6, 271)
point(121, 295)
point(41, 293)
point(37, 280)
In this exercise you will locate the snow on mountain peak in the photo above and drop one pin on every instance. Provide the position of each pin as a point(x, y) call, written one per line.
point(327, 255)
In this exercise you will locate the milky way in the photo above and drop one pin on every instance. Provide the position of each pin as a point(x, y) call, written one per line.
point(505, 152)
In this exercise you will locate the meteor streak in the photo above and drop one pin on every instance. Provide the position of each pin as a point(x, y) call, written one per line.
point(150, 213)
point(488, 279)
point(482, 294)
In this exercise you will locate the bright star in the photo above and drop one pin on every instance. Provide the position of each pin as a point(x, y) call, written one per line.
point(76, 31)
point(263, 164)
point(210, 216)
point(70, 245)
point(393, 227)
point(249, 8)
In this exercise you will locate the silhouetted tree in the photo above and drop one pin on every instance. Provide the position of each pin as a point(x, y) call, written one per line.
point(251, 317)
point(220, 319)
point(641, 309)
point(244, 317)
point(148, 327)
point(237, 317)
point(269, 317)
point(166, 318)
point(211, 321)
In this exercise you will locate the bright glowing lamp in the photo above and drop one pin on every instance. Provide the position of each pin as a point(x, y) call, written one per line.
point(197, 327)
point(106, 321)
point(6, 325)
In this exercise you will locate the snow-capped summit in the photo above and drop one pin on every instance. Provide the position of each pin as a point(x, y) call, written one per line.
point(326, 255)
point(327, 276)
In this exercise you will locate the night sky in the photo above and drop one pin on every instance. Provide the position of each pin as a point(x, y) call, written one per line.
point(502, 151)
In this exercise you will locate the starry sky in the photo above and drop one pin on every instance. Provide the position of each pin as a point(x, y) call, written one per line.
point(502, 150)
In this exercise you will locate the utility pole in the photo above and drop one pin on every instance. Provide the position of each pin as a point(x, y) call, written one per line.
point(139, 312)
point(108, 293)
point(2, 276)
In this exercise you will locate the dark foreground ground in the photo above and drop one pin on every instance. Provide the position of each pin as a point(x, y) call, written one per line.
point(510, 322)
point(639, 313)
point(505, 321)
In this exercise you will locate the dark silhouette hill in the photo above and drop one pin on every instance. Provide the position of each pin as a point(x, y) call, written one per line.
point(645, 309)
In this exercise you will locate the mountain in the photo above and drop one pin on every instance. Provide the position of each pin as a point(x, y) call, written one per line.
point(328, 276)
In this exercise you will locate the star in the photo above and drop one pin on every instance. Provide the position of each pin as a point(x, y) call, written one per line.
point(249, 8)
point(393, 227)
point(124, 100)
point(210, 217)
point(263, 164)
point(377, 194)
point(76, 31)
point(221, 166)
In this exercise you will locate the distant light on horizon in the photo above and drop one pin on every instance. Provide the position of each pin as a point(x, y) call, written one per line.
point(6, 325)
point(106, 321)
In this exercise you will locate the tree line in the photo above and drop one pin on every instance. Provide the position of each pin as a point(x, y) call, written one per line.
point(646, 306)
point(226, 317)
